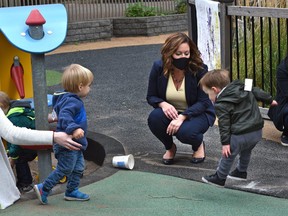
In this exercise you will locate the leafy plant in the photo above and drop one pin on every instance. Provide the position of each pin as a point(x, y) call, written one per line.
point(140, 10)
point(180, 6)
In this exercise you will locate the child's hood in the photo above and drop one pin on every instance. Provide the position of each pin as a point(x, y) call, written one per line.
point(60, 97)
point(233, 93)
point(20, 103)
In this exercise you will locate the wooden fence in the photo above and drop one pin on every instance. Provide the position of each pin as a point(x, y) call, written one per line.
point(86, 10)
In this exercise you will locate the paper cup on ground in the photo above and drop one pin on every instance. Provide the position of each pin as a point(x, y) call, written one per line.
point(125, 161)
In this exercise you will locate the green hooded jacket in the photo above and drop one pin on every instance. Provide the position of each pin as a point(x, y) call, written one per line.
point(238, 111)
point(21, 115)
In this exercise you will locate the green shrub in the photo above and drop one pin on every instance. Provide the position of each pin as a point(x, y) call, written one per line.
point(180, 6)
point(140, 10)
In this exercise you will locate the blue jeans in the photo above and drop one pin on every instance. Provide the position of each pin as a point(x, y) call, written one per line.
point(70, 164)
point(190, 132)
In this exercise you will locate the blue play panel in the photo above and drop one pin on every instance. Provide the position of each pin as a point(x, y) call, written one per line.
point(13, 26)
point(31, 100)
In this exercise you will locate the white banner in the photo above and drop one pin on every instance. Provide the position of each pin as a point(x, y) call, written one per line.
point(209, 32)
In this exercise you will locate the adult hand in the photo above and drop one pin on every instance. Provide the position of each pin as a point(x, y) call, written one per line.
point(226, 151)
point(169, 110)
point(66, 141)
point(175, 124)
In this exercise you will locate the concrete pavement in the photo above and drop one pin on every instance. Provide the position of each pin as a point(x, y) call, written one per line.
point(117, 113)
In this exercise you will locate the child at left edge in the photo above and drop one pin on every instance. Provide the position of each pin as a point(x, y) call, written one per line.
point(69, 110)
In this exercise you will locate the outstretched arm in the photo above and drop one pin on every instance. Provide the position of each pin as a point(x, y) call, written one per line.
point(24, 136)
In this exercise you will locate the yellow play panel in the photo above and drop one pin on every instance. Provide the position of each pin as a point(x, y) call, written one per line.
point(7, 54)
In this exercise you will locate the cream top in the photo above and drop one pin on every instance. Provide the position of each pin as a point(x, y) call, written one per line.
point(176, 97)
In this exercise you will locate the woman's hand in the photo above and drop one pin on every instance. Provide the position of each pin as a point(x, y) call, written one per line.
point(175, 124)
point(66, 141)
point(169, 110)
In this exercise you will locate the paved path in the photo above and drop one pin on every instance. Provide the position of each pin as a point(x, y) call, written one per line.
point(117, 109)
point(268, 133)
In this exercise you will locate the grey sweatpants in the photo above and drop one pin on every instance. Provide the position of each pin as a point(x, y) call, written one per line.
point(241, 145)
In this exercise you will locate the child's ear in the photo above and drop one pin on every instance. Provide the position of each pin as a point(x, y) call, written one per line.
point(80, 86)
point(215, 89)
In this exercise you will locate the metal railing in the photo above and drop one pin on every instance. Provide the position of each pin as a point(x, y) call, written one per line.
point(85, 10)
point(253, 41)
point(259, 43)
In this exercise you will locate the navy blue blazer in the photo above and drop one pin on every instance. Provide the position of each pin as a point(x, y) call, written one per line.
point(198, 102)
point(276, 113)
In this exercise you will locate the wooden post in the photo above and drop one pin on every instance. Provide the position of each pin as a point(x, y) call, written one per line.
point(225, 34)
point(192, 21)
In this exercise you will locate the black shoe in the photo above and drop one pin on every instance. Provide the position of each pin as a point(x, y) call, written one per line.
point(171, 160)
point(237, 175)
point(214, 180)
point(284, 140)
point(195, 160)
point(168, 161)
point(26, 188)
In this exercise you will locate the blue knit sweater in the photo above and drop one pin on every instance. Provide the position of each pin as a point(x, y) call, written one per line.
point(71, 114)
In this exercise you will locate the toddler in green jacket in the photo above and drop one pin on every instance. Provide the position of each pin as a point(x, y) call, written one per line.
point(239, 119)
point(20, 114)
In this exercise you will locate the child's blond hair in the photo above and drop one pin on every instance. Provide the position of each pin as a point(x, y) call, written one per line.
point(215, 78)
point(4, 102)
point(74, 75)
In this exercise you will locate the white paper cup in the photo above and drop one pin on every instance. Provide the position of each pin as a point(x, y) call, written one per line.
point(125, 161)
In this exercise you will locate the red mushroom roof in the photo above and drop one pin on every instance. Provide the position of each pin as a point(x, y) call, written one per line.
point(35, 18)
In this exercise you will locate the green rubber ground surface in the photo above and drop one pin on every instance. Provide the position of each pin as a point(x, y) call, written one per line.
point(132, 193)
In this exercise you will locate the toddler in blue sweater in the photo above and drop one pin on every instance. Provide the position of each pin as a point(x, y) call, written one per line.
point(69, 110)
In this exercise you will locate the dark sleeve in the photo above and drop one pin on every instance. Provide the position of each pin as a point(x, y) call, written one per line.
point(202, 100)
point(153, 96)
point(261, 95)
point(282, 78)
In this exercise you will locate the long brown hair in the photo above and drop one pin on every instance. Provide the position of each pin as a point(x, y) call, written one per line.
point(170, 47)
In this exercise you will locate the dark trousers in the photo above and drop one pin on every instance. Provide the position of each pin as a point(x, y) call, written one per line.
point(190, 132)
point(24, 176)
point(285, 122)
point(241, 145)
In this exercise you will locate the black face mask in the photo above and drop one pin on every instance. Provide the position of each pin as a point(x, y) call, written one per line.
point(180, 63)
